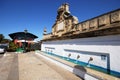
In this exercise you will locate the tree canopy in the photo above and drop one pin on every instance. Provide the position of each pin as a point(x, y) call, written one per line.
point(3, 39)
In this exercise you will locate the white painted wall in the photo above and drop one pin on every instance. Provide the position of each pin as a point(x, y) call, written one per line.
point(89, 47)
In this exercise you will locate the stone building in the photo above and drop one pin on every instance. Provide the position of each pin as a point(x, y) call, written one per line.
point(97, 38)
point(65, 22)
point(67, 26)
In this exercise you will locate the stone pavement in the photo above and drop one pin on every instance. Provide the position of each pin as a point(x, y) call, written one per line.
point(29, 66)
point(5, 66)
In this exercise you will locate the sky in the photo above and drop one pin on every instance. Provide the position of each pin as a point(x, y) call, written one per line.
point(34, 15)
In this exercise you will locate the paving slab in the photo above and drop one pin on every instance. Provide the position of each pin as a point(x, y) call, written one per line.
point(5, 65)
point(31, 68)
point(28, 66)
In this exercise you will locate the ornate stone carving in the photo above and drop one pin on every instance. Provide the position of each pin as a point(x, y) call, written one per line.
point(103, 20)
point(60, 26)
point(115, 16)
point(64, 7)
point(67, 24)
point(64, 21)
point(85, 25)
point(93, 23)
point(79, 27)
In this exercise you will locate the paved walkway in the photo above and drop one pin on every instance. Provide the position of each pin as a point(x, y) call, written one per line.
point(1, 55)
point(31, 67)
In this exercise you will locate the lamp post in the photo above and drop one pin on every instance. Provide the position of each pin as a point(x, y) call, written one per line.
point(25, 31)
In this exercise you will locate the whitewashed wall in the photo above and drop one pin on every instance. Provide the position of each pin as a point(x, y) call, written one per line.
point(89, 47)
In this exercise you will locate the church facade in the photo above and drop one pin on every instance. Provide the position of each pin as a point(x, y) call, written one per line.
point(97, 39)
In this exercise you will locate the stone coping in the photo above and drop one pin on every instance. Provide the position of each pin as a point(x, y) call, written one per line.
point(87, 70)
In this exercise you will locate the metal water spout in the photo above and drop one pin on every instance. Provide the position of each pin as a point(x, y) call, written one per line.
point(78, 56)
point(69, 56)
point(90, 59)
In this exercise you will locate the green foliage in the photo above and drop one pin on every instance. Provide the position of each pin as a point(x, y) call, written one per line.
point(12, 46)
point(1, 37)
point(3, 40)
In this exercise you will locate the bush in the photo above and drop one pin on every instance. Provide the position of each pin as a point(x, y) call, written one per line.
point(12, 47)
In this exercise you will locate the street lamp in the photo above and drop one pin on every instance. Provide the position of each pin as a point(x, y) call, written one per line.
point(25, 31)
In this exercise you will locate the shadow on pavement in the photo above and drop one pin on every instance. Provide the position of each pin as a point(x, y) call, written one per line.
point(79, 71)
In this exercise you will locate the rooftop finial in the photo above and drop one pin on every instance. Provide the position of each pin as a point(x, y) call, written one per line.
point(45, 31)
point(64, 8)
